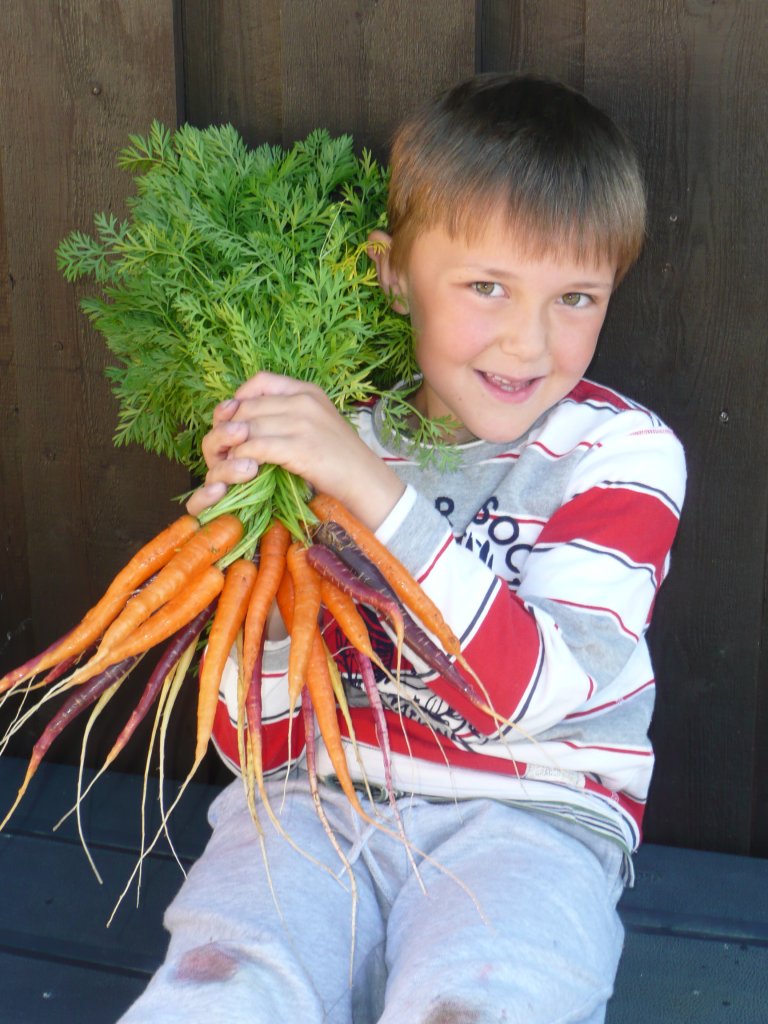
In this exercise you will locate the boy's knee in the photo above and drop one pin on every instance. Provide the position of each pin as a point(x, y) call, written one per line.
point(453, 1011)
point(209, 963)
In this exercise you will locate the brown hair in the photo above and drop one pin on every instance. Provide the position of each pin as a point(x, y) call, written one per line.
point(566, 176)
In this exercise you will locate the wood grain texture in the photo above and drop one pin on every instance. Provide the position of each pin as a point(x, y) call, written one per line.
point(538, 36)
point(687, 336)
point(359, 66)
point(15, 617)
point(76, 79)
point(232, 61)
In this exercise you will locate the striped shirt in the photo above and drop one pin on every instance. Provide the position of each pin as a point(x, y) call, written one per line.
point(545, 557)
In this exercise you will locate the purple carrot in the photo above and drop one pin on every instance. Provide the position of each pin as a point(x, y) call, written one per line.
point(337, 539)
point(79, 701)
point(64, 666)
point(18, 675)
point(379, 721)
point(332, 566)
point(253, 713)
point(169, 658)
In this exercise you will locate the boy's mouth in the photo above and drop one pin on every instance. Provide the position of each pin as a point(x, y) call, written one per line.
point(508, 385)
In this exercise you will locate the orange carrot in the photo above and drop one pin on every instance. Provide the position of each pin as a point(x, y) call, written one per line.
point(349, 620)
point(176, 613)
point(328, 509)
point(320, 688)
point(206, 546)
point(285, 599)
point(230, 614)
point(154, 555)
point(151, 557)
point(181, 640)
point(306, 608)
point(319, 692)
point(272, 549)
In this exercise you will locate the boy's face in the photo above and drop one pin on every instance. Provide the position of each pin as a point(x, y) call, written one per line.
point(500, 336)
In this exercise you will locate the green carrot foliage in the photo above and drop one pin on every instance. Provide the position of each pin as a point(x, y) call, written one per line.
point(235, 260)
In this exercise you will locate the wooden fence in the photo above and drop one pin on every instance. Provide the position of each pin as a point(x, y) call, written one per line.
point(687, 332)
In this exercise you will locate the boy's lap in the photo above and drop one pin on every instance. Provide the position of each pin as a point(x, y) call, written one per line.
point(538, 932)
point(541, 944)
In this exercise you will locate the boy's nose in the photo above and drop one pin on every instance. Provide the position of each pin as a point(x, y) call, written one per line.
point(524, 335)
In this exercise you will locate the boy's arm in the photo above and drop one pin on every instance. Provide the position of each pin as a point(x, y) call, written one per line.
point(586, 592)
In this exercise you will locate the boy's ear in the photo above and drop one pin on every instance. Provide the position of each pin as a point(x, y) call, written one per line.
point(379, 245)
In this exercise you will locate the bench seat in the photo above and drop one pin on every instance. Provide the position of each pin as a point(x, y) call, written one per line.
point(697, 922)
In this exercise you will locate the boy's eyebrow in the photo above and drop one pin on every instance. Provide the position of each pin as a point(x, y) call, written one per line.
point(494, 273)
point(591, 285)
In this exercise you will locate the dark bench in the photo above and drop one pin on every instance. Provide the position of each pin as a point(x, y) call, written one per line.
point(697, 923)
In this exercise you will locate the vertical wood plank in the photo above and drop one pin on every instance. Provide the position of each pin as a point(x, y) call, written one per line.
point(687, 336)
point(75, 79)
point(15, 619)
point(537, 36)
point(357, 66)
point(232, 57)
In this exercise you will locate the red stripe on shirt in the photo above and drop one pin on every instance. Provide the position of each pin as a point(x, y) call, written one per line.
point(420, 743)
point(274, 738)
point(602, 610)
point(612, 703)
point(449, 540)
point(587, 390)
point(609, 518)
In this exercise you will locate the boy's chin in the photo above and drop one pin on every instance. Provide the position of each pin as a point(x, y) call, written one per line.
point(491, 435)
point(461, 435)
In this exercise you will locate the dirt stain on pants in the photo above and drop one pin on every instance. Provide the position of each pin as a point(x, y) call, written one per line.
point(207, 963)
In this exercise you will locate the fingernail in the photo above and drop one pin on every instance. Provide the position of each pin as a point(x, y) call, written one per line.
point(246, 466)
point(235, 428)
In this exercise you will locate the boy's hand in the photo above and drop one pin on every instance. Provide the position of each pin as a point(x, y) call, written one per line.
point(293, 424)
point(217, 446)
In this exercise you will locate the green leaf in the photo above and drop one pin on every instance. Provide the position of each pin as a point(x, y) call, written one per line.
point(234, 260)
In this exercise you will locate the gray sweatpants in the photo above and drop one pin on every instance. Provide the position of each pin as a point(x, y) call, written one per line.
point(511, 917)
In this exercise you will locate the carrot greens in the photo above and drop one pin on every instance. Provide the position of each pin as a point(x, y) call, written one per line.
point(235, 260)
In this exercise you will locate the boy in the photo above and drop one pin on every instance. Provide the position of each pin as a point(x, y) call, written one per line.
point(515, 209)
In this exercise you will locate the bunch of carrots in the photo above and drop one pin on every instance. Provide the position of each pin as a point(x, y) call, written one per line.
point(182, 585)
point(234, 261)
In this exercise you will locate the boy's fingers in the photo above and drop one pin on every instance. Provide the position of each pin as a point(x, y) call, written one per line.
point(218, 442)
point(218, 480)
point(265, 383)
point(204, 497)
point(224, 411)
point(232, 471)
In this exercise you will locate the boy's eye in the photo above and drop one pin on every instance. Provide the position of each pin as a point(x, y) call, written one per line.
point(485, 287)
point(575, 299)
